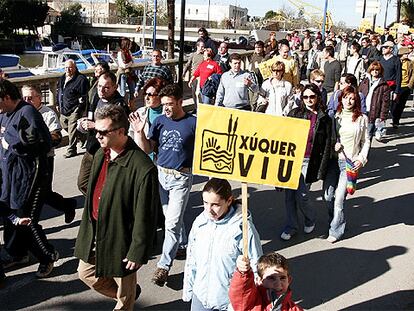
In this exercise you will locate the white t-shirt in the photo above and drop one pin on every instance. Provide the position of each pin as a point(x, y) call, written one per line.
point(52, 122)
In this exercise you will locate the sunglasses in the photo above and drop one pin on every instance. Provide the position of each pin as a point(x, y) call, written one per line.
point(319, 81)
point(106, 132)
point(278, 70)
point(309, 96)
point(151, 94)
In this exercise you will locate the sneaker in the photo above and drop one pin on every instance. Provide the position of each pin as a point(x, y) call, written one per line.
point(160, 277)
point(70, 213)
point(137, 292)
point(309, 229)
point(331, 239)
point(285, 236)
point(46, 268)
point(181, 254)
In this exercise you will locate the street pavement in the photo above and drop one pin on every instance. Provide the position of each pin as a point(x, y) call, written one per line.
point(370, 269)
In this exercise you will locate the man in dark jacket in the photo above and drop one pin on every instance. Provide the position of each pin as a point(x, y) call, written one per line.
point(223, 57)
point(106, 94)
point(72, 97)
point(119, 220)
point(24, 144)
point(208, 42)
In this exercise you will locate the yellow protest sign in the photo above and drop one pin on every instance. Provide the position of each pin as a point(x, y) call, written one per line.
point(265, 68)
point(249, 147)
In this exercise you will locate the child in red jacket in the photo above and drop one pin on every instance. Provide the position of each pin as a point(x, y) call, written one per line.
point(272, 290)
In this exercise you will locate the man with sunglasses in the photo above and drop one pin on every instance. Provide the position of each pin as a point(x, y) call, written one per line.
point(119, 220)
point(107, 95)
point(153, 70)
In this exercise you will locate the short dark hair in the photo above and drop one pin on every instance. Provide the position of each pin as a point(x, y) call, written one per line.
point(234, 56)
point(330, 50)
point(116, 114)
point(10, 89)
point(203, 30)
point(109, 75)
point(351, 79)
point(172, 90)
point(271, 260)
point(104, 65)
point(259, 43)
point(356, 46)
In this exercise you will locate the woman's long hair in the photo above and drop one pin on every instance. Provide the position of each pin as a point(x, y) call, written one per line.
point(356, 110)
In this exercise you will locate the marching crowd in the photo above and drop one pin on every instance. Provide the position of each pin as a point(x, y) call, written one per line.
point(136, 171)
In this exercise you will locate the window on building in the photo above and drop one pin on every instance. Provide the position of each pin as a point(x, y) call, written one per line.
point(188, 11)
point(196, 11)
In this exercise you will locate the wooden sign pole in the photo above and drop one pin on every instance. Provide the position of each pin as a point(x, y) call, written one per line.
point(245, 223)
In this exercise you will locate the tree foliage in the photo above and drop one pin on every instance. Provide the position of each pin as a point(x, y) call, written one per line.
point(407, 12)
point(127, 9)
point(69, 21)
point(22, 14)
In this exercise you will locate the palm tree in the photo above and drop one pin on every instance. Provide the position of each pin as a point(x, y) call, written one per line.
point(407, 11)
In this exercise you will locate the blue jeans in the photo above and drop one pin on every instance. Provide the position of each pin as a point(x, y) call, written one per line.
point(329, 185)
point(124, 84)
point(206, 100)
point(337, 226)
point(298, 198)
point(174, 193)
point(196, 305)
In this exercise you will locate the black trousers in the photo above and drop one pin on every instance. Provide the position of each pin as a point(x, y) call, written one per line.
point(397, 108)
point(20, 239)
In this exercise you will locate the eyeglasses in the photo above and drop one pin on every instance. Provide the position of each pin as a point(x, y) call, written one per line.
point(319, 81)
point(106, 132)
point(150, 94)
point(308, 96)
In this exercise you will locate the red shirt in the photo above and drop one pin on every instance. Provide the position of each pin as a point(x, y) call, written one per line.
point(206, 69)
point(100, 183)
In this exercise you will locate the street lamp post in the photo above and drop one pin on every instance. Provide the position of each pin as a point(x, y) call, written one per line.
point(154, 32)
point(325, 10)
point(181, 56)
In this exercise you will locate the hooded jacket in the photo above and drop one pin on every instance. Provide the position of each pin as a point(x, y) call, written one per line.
point(211, 257)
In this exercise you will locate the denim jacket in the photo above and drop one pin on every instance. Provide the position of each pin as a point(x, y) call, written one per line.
point(212, 251)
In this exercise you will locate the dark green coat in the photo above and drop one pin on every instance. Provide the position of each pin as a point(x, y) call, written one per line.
point(127, 213)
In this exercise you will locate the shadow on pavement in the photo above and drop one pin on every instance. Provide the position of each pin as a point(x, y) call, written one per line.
point(322, 276)
point(35, 291)
point(172, 306)
point(401, 300)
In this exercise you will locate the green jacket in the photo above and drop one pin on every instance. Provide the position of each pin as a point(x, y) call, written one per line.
point(127, 213)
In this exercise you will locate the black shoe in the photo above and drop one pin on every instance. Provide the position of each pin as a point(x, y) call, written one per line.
point(160, 277)
point(70, 213)
point(46, 268)
point(137, 292)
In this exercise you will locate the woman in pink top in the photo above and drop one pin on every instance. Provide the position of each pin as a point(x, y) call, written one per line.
point(204, 71)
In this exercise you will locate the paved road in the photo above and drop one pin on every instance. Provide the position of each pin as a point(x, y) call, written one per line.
point(371, 268)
